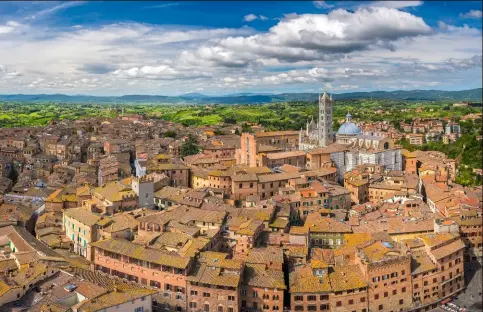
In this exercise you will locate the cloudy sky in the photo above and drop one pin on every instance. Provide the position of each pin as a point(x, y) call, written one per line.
point(215, 48)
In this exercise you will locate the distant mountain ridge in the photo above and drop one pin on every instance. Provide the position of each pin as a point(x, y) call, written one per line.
point(247, 98)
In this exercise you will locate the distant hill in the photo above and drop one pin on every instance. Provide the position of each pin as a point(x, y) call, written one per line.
point(193, 95)
point(247, 98)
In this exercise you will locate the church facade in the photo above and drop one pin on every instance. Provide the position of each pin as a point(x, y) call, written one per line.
point(320, 133)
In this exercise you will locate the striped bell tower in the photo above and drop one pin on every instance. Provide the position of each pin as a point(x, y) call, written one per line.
point(325, 120)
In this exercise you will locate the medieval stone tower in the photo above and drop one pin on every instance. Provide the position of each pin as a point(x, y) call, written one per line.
point(325, 120)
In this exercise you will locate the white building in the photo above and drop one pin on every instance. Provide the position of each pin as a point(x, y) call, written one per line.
point(366, 149)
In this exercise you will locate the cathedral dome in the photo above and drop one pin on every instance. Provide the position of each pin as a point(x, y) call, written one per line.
point(348, 127)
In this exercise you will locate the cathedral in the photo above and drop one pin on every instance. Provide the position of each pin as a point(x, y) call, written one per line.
point(350, 147)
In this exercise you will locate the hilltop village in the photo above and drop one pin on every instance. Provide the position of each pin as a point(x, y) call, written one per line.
point(135, 214)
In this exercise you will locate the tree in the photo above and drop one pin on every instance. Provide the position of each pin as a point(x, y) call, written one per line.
point(190, 147)
point(229, 120)
point(169, 134)
point(246, 128)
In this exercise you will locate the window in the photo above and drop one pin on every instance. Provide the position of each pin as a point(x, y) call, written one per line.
point(401, 301)
point(230, 309)
point(206, 307)
point(220, 308)
point(255, 294)
point(381, 307)
point(376, 296)
point(231, 298)
point(206, 295)
point(299, 308)
point(403, 289)
point(394, 292)
point(386, 294)
point(194, 293)
point(193, 305)
point(338, 304)
point(298, 298)
point(324, 307)
point(351, 301)
point(363, 299)
point(324, 297)
point(140, 309)
point(416, 286)
point(403, 272)
point(311, 298)
point(312, 308)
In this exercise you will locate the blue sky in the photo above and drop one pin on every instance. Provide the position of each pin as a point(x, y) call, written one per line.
point(170, 48)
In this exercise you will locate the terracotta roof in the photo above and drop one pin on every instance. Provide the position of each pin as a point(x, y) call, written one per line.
point(258, 275)
point(265, 255)
point(421, 262)
point(347, 277)
point(279, 223)
point(448, 249)
point(282, 155)
point(114, 298)
point(258, 170)
point(436, 239)
point(211, 275)
point(378, 251)
point(247, 177)
point(124, 247)
point(295, 250)
point(7, 265)
point(298, 230)
point(184, 215)
point(82, 215)
point(278, 177)
point(303, 280)
point(275, 133)
point(316, 223)
point(114, 191)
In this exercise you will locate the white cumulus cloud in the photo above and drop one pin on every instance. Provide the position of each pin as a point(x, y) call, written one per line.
point(475, 14)
point(252, 17)
point(322, 5)
point(394, 4)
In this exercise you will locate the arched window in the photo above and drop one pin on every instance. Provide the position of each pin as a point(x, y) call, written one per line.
point(386, 145)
